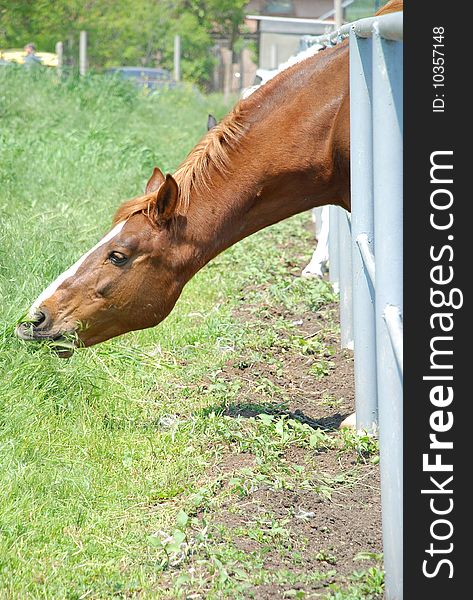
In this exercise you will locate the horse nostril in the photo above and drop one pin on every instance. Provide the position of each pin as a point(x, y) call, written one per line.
point(40, 318)
point(36, 327)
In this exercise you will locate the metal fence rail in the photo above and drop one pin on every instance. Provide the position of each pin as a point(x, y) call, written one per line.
point(366, 257)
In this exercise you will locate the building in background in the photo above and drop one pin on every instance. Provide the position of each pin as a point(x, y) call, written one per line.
point(273, 32)
point(279, 37)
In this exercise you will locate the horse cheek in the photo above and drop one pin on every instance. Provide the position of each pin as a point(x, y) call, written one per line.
point(104, 289)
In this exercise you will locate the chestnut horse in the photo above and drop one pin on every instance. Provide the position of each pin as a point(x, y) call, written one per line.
point(281, 151)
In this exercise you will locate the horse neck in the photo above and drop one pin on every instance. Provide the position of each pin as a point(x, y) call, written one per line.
point(293, 158)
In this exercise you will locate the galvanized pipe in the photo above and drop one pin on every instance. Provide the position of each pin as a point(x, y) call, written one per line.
point(365, 242)
point(377, 275)
point(362, 222)
point(393, 319)
point(346, 279)
point(333, 248)
point(390, 28)
point(388, 197)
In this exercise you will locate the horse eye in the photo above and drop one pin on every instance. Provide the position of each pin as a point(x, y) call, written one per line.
point(117, 258)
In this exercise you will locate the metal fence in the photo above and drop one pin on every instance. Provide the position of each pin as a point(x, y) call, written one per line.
point(366, 257)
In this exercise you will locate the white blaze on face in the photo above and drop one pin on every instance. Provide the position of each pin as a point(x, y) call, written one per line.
point(49, 291)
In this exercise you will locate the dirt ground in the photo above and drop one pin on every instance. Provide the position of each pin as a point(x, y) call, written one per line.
point(317, 535)
point(307, 395)
point(329, 531)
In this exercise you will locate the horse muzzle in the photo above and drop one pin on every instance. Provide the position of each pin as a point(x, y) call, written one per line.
point(39, 328)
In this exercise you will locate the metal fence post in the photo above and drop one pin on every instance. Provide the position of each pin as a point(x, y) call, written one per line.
point(386, 267)
point(333, 254)
point(362, 222)
point(388, 196)
point(345, 274)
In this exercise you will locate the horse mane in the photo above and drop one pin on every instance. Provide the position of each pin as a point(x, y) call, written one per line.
point(213, 149)
point(142, 204)
point(390, 7)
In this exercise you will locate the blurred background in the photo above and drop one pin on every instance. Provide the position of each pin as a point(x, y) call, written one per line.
point(215, 44)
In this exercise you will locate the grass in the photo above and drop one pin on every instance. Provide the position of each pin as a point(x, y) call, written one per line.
point(104, 458)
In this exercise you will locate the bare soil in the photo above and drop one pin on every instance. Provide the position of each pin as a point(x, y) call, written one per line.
point(311, 400)
point(325, 532)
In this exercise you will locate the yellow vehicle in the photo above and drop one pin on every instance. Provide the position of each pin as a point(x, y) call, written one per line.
point(48, 59)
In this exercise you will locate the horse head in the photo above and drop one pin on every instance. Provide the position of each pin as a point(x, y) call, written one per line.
point(249, 171)
point(130, 280)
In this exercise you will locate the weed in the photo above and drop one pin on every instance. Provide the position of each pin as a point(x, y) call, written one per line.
point(326, 556)
point(321, 368)
point(330, 401)
point(366, 445)
point(365, 585)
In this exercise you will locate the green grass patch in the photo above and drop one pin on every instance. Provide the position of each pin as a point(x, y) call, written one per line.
point(104, 458)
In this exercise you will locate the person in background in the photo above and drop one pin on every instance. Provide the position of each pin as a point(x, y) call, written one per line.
point(31, 58)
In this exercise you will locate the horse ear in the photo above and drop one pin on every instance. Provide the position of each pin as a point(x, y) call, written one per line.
point(156, 179)
point(211, 122)
point(166, 199)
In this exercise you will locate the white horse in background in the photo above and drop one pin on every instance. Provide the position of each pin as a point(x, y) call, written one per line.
point(317, 265)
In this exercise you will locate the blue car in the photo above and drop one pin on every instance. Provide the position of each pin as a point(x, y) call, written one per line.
point(144, 76)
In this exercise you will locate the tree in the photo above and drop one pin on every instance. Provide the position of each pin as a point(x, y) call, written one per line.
point(227, 17)
point(127, 33)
